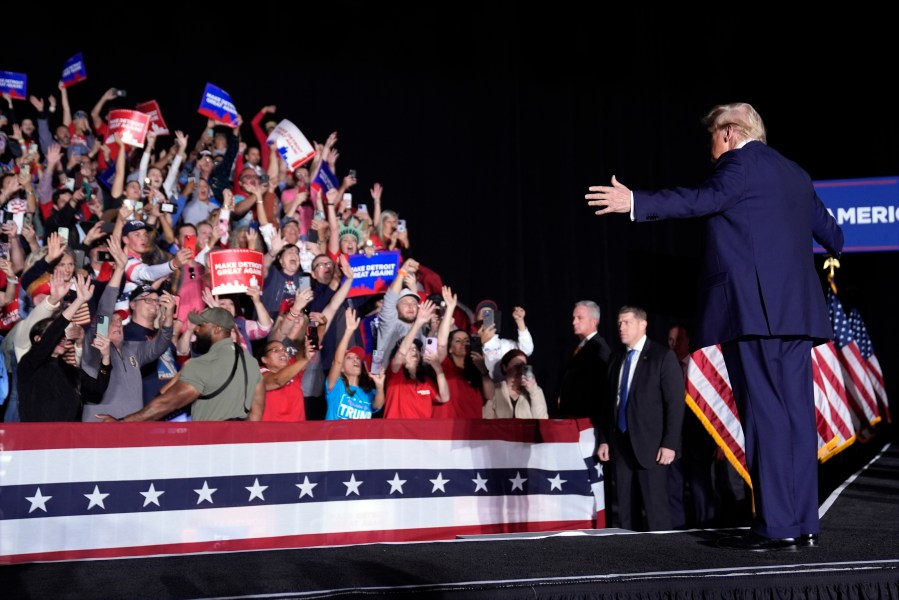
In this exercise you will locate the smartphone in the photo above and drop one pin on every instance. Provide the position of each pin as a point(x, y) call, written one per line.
point(79, 259)
point(29, 217)
point(190, 241)
point(104, 256)
point(488, 317)
point(103, 325)
point(312, 335)
point(312, 236)
point(63, 233)
point(121, 93)
point(362, 208)
point(138, 206)
point(305, 282)
point(87, 190)
point(319, 215)
point(377, 361)
point(401, 225)
point(347, 201)
point(431, 345)
point(527, 371)
point(476, 345)
point(167, 207)
point(70, 184)
point(352, 173)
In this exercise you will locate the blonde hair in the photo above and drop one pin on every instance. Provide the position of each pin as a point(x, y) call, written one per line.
point(745, 120)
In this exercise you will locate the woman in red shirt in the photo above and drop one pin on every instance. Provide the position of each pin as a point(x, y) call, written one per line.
point(282, 375)
point(415, 380)
point(469, 382)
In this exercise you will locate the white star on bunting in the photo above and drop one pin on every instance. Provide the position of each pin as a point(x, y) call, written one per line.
point(518, 482)
point(396, 484)
point(306, 487)
point(256, 490)
point(151, 495)
point(556, 482)
point(479, 484)
point(439, 483)
point(205, 493)
point(38, 501)
point(352, 486)
point(96, 498)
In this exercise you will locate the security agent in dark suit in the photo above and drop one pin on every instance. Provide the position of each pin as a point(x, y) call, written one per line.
point(583, 388)
point(761, 299)
point(641, 428)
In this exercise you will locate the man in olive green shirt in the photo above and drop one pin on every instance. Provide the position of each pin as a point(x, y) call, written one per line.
point(204, 380)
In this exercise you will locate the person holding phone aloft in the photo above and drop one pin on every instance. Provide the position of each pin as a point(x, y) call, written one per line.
point(415, 380)
point(518, 396)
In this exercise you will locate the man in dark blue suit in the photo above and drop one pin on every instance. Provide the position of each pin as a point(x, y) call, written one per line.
point(641, 426)
point(761, 299)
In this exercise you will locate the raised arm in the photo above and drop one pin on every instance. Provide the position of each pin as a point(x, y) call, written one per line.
point(446, 323)
point(96, 112)
point(340, 295)
point(424, 315)
point(352, 324)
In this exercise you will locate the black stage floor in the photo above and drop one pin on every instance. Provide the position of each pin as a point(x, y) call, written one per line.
point(858, 558)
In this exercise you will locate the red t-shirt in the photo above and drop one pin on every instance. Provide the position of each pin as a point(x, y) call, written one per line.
point(287, 403)
point(465, 401)
point(408, 398)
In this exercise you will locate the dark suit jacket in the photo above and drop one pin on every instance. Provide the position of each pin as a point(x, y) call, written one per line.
point(655, 402)
point(584, 387)
point(758, 274)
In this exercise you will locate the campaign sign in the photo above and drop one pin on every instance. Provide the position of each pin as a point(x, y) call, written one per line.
point(216, 104)
point(73, 71)
point(373, 275)
point(234, 270)
point(14, 84)
point(131, 125)
point(325, 179)
point(866, 209)
point(291, 144)
point(151, 109)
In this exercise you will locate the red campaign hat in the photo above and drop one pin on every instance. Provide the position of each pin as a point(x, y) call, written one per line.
point(358, 351)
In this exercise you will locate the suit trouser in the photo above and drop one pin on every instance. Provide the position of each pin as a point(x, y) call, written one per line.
point(774, 393)
point(638, 487)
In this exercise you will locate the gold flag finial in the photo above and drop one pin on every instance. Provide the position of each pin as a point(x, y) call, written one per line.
point(831, 263)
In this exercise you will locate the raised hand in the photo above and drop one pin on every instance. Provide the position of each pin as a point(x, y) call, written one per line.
point(425, 311)
point(450, 298)
point(101, 343)
point(84, 288)
point(56, 245)
point(376, 191)
point(352, 322)
point(345, 267)
point(518, 315)
point(181, 140)
point(59, 287)
point(210, 300)
point(303, 298)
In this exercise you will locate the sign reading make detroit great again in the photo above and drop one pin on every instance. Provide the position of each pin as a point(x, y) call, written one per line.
point(866, 209)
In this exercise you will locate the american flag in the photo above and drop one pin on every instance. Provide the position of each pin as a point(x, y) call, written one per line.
point(859, 389)
point(85, 490)
point(710, 396)
point(831, 403)
point(860, 333)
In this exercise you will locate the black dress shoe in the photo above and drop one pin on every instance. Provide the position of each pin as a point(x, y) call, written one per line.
point(808, 540)
point(757, 543)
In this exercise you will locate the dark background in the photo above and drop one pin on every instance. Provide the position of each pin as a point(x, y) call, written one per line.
point(486, 124)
